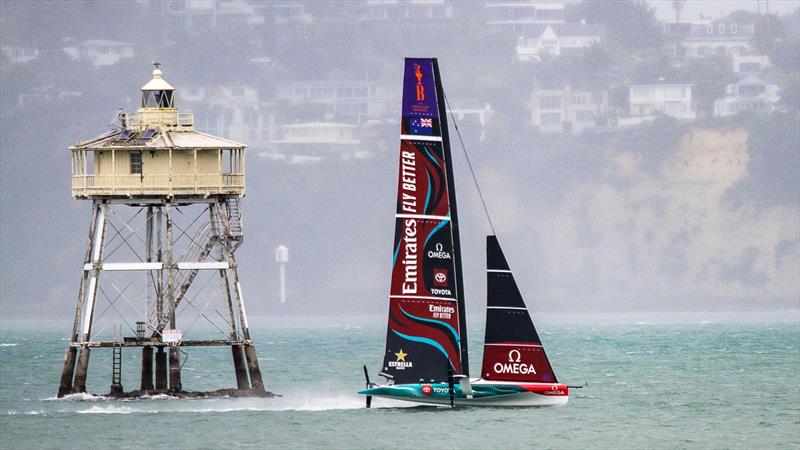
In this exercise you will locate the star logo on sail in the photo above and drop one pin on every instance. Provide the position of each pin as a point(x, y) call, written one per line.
point(400, 362)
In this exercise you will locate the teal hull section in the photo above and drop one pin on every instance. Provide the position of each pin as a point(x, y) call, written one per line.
point(440, 392)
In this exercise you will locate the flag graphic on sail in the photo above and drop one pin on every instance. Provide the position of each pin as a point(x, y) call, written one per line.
point(424, 338)
point(512, 349)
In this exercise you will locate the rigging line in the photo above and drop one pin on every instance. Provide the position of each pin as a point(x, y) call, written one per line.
point(469, 163)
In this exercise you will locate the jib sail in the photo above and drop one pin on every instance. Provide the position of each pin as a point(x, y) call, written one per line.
point(425, 336)
point(512, 350)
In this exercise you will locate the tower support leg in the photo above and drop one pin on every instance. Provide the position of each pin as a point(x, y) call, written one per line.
point(174, 369)
point(82, 370)
point(65, 387)
point(147, 368)
point(252, 367)
point(241, 368)
point(161, 368)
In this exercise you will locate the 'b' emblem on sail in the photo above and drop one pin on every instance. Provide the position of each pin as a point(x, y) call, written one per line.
point(420, 87)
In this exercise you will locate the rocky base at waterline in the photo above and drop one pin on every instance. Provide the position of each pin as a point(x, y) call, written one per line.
point(193, 394)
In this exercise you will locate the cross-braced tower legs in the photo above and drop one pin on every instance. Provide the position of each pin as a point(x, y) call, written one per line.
point(178, 258)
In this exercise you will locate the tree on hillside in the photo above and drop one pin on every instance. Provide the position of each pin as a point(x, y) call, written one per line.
point(709, 76)
point(790, 93)
point(768, 31)
point(677, 5)
point(631, 24)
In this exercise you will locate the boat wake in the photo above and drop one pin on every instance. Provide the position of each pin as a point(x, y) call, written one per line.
point(294, 402)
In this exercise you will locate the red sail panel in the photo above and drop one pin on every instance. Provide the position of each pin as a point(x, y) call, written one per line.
point(423, 337)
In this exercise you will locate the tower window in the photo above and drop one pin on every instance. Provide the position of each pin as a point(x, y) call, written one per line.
point(136, 162)
point(157, 99)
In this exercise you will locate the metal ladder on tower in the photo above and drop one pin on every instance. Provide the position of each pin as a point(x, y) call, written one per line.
point(116, 362)
point(234, 217)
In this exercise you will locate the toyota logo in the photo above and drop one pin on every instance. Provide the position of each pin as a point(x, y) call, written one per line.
point(440, 277)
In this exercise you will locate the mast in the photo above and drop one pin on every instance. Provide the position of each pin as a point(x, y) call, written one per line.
point(451, 191)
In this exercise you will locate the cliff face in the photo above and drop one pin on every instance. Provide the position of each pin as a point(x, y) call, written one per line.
point(673, 233)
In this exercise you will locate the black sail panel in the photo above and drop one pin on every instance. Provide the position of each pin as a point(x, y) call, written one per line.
point(424, 337)
point(512, 348)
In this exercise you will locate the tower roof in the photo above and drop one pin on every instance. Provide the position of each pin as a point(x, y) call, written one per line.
point(158, 83)
point(155, 138)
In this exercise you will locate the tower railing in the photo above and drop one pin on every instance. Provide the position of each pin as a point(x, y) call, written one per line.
point(170, 120)
point(89, 185)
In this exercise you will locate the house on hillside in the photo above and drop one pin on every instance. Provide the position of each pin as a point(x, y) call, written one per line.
point(209, 14)
point(18, 55)
point(349, 101)
point(719, 37)
point(315, 141)
point(556, 39)
point(471, 115)
point(751, 94)
point(287, 13)
point(672, 99)
point(391, 10)
point(233, 112)
point(516, 15)
point(101, 52)
point(567, 110)
point(749, 64)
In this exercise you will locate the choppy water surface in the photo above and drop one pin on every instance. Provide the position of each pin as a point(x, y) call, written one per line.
point(694, 381)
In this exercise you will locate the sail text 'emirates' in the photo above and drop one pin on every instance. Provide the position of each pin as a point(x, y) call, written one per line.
point(410, 259)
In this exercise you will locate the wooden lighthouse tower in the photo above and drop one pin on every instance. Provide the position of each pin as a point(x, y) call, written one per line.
point(166, 221)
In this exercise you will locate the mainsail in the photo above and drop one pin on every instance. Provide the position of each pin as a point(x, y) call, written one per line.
point(426, 338)
point(512, 350)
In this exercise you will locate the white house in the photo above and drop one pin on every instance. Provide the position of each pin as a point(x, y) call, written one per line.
point(516, 14)
point(720, 37)
point(557, 38)
point(346, 100)
point(745, 64)
point(315, 141)
point(566, 110)
point(752, 94)
point(19, 55)
point(674, 100)
point(101, 52)
point(290, 13)
point(200, 14)
point(233, 112)
point(384, 10)
point(470, 113)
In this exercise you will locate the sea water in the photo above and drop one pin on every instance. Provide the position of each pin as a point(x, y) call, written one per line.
point(697, 380)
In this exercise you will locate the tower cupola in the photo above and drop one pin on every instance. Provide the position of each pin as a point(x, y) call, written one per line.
point(157, 93)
